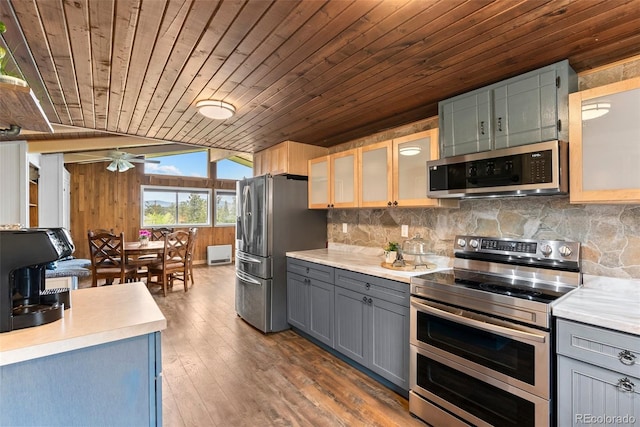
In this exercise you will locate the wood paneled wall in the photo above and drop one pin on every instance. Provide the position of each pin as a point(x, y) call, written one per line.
point(103, 199)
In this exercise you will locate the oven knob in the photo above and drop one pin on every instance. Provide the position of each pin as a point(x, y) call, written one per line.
point(565, 251)
point(473, 243)
point(546, 250)
point(462, 243)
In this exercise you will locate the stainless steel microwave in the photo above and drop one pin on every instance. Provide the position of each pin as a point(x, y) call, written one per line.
point(534, 169)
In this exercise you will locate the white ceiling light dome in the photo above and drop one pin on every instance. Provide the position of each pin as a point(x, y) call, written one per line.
point(214, 109)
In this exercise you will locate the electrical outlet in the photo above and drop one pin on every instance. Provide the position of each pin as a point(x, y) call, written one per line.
point(404, 231)
point(344, 227)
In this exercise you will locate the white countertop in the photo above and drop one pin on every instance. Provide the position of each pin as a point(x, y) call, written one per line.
point(364, 260)
point(603, 301)
point(97, 316)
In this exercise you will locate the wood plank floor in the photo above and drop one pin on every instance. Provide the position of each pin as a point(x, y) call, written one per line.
point(219, 371)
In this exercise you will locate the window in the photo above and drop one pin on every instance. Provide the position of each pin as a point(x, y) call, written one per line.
point(175, 206)
point(229, 169)
point(194, 164)
point(225, 208)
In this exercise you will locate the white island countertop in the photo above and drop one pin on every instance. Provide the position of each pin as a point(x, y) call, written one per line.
point(364, 260)
point(603, 301)
point(97, 316)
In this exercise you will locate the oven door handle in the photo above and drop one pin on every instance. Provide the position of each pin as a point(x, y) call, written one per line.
point(485, 326)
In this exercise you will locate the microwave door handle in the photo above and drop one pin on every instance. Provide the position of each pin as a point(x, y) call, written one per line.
point(246, 278)
point(489, 327)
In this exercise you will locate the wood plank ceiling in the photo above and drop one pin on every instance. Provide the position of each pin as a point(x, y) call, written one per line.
point(320, 72)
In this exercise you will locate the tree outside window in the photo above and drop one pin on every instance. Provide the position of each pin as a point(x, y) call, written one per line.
point(225, 208)
point(175, 207)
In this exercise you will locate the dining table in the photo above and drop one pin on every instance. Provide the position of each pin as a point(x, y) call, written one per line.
point(138, 254)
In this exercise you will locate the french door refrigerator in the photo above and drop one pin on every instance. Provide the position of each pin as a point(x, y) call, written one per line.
point(272, 218)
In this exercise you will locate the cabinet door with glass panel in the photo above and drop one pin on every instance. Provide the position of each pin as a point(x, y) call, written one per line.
point(394, 172)
point(333, 181)
point(604, 143)
point(410, 155)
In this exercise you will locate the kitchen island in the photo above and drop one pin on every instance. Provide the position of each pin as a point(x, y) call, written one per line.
point(99, 365)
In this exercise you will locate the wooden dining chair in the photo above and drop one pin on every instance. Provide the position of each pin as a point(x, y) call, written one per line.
point(107, 258)
point(159, 233)
point(193, 232)
point(174, 264)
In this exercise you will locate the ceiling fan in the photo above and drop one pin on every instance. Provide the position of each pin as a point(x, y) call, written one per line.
point(120, 161)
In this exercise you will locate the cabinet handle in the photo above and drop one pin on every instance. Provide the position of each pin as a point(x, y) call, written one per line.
point(626, 357)
point(388, 203)
point(482, 127)
point(364, 300)
point(395, 203)
point(307, 270)
point(499, 124)
point(368, 285)
point(369, 301)
point(625, 384)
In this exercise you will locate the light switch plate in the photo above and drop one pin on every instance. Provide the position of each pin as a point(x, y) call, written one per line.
point(344, 227)
point(404, 231)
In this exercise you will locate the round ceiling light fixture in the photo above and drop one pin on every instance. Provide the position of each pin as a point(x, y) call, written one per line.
point(217, 110)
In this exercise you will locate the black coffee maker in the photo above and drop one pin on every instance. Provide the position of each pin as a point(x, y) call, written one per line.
point(24, 254)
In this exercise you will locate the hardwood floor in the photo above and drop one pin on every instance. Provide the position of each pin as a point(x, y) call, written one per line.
point(219, 371)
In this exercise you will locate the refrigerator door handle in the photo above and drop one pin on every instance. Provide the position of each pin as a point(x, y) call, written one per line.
point(246, 278)
point(247, 258)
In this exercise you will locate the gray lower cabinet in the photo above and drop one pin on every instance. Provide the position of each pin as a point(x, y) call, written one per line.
point(372, 324)
point(598, 376)
point(310, 299)
point(364, 318)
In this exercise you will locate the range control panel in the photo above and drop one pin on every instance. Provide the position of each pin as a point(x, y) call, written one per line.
point(548, 249)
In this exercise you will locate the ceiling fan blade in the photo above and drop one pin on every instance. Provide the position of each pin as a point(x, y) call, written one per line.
point(138, 160)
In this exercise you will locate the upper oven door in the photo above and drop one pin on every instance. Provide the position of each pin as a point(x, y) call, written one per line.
point(514, 354)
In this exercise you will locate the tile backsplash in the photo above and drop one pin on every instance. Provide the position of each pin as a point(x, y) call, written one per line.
point(609, 234)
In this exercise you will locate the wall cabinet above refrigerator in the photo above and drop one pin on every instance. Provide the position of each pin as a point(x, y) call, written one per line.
point(288, 157)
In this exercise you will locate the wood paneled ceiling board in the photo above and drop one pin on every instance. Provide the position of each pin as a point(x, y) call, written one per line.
point(19, 106)
point(319, 72)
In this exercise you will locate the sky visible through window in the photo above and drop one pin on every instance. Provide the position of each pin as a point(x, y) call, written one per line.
point(196, 165)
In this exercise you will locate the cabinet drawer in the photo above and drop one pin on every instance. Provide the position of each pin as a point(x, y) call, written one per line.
point(310, 270)
point(377, 287)
point(617, 351)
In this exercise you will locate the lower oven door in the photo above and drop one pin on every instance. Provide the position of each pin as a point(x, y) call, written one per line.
point(512, 354)
point(444, 393)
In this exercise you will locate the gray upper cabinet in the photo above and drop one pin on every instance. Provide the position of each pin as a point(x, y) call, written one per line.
point(526, 109)
point(465, 124)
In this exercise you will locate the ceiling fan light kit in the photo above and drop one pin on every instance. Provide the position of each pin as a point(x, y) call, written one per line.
point(120, 165)
point(214, 109)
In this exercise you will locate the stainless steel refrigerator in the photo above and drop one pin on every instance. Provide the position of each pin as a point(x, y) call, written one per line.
point(272, 218)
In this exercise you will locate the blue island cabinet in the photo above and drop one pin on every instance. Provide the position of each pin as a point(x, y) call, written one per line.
point(118, 383)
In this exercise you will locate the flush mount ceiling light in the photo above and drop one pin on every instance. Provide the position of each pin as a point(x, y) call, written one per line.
point(217, 110)
point(594, 110)
point(410, 151)
point(119, 165)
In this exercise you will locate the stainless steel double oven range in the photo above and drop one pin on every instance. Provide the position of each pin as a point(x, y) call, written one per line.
point(482, 336)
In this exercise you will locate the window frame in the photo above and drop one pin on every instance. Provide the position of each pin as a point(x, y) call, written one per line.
point(177, 191)
point(215, 206)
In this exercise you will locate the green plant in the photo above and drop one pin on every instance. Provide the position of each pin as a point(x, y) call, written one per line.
point(5, 57)
point(391, 246)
